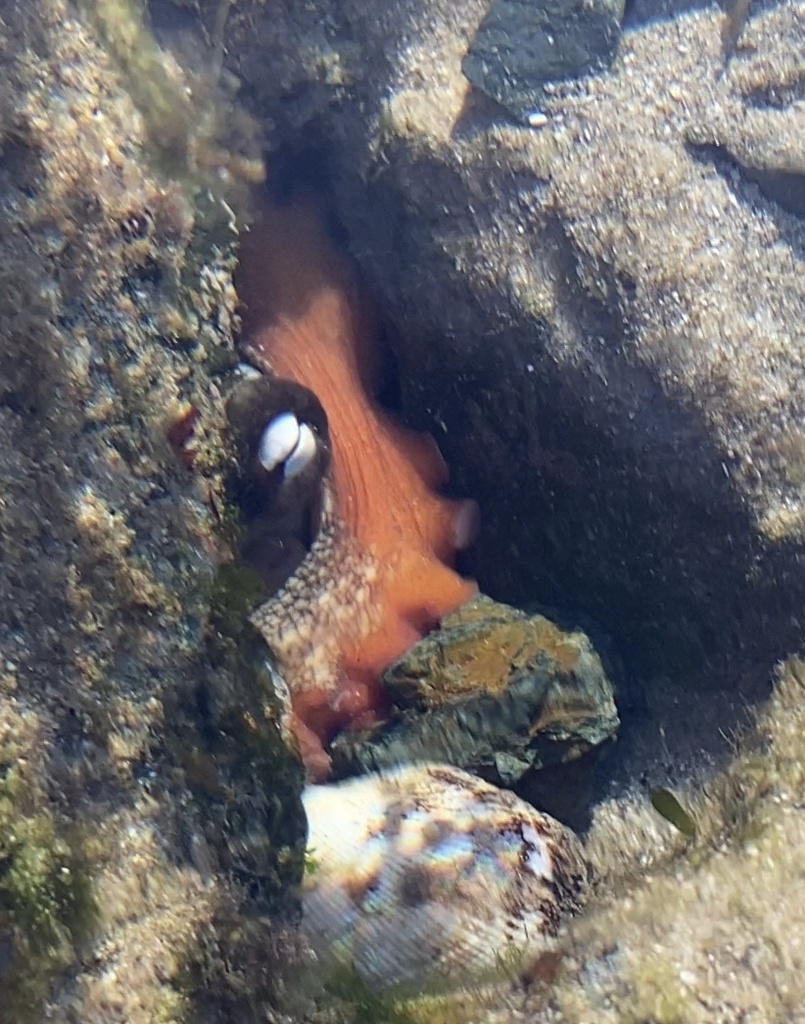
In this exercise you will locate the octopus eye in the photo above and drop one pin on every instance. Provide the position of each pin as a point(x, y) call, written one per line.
point(287, 442)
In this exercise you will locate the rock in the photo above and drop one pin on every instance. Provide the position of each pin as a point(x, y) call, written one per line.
point(604, 319)
point(494, 691)
point(522, 44)
point(135, 742)
point(767, 147)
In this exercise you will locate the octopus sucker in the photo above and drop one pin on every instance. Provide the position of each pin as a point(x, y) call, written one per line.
point(430, 877)
point(378, 574)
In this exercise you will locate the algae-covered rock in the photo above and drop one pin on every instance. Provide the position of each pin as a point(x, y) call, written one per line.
point(494, 691)
point(705, 929)
point(120, 684)
point(601, 322)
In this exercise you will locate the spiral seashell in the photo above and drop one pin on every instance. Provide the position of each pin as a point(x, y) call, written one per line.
point(430, 877)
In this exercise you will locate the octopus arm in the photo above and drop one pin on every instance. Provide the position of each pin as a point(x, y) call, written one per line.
point(382, 577)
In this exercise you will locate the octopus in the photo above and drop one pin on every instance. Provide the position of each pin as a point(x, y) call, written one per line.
point(369, 542)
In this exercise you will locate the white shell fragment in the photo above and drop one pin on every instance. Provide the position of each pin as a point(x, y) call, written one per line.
point(247, 372)
point(285, 440)
point(303, 454)
point(429, 876)
point(278, 440)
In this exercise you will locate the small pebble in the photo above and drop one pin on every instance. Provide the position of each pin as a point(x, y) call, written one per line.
point(537, 119)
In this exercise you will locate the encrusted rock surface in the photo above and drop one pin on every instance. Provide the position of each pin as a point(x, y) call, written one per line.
point(523, 44)
point(601, 319)
point(143, 791)
point(701, 931)
point(494, 691)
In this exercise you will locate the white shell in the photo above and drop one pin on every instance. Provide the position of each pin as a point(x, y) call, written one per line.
point(303, 454)
point(285, 440)
point(430, 876)
point(247, 372)
point(278, 440)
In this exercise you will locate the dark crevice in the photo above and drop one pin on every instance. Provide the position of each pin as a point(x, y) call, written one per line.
point(784, 189)
point(776, 96)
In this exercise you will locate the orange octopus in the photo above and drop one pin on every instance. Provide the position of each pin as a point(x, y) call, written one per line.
point(378, 574)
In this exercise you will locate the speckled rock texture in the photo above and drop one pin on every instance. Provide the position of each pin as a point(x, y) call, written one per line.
point(494, 691)
point(143, 791)
point(704, 930)
point(602, 319)
point(521, 44)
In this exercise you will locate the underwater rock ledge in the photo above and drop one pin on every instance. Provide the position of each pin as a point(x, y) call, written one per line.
point(604, 316)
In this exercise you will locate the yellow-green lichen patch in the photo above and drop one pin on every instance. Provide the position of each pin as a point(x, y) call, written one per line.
point(47, 904)
point(493, 690)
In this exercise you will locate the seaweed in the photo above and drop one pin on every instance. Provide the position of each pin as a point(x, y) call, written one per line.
point(192, 138)
point(48, 908)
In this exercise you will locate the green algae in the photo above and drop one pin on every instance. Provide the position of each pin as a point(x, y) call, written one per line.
point(236, 591)
point(192, 138)
point(242, 772)
point(366, 1006)
point(668, 806)
point(47, 904)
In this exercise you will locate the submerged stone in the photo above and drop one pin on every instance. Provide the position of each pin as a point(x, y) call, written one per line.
point(522, 44)
point(494, 691)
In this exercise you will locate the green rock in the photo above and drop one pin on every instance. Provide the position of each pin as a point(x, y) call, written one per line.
point(494, 691)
